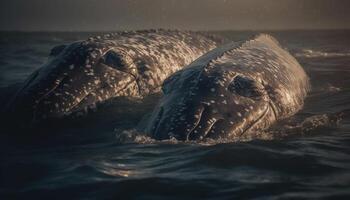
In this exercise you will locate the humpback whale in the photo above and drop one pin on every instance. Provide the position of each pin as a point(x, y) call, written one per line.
point(130, 64)
point(234, 92)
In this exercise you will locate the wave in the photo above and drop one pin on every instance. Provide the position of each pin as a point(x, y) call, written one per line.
point(309, 126)
point(309, 53)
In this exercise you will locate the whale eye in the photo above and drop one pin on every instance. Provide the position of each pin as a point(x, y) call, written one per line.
point(245, 87)
point(114, 60)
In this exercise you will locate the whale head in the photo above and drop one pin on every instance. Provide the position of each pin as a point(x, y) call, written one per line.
point(75, 77)
point(214, 102)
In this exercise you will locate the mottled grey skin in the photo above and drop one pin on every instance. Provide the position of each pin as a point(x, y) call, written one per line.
point(131, 64)
point(232, 93)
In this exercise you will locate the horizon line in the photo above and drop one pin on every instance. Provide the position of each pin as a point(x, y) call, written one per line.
point(209, 30)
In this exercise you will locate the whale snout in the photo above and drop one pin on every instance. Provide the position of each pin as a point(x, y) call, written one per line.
point(178, 122)
point(65, 96)
point(221, 118)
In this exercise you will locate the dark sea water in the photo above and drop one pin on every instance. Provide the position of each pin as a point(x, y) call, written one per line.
point(100, 157)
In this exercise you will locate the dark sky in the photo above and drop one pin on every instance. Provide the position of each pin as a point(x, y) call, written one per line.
point(84, 15)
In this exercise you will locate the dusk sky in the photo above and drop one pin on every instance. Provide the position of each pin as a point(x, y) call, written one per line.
point(104, 15)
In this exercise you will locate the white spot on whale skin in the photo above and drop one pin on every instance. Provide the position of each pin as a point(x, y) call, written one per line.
point(96, 82)
point(71, 67)
point(239, 114)
point(212, 89)
point(151, 82)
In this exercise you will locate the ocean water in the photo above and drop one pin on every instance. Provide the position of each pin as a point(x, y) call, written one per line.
point(99, 156)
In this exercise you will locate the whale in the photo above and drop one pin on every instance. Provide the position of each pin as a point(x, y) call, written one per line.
point(233, 93)
point(130, 64)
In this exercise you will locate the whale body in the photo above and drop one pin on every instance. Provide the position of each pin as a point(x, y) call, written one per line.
point(233, 92)
point(131, 64)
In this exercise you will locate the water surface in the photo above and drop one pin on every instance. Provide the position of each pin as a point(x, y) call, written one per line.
point(96, 158)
